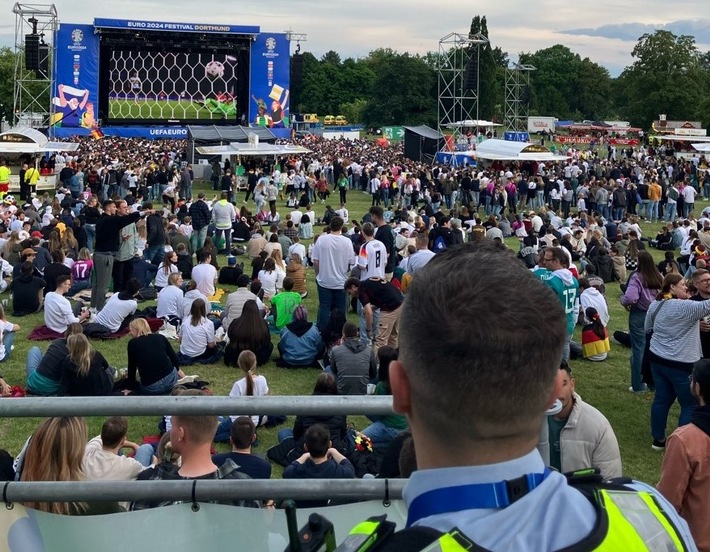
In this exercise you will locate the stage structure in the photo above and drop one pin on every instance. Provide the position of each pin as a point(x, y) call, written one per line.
point(152, 79)
point(517, 97)
point(458, 79)
point(35, 29)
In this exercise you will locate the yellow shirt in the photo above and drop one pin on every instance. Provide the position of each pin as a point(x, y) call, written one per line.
point(4, 174)
point(654, 192)
point(31, 176)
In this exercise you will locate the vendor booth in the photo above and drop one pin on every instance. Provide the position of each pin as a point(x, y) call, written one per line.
point(27, 145)
point(504, 150)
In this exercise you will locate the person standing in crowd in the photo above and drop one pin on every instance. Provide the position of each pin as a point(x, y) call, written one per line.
point(378, 294)
point(642, 288)
point(333, 255)
point(200, 214)
point(224, 215)
point(123, 263)
point(155, 236)
point(108, 238)
point(684, 476)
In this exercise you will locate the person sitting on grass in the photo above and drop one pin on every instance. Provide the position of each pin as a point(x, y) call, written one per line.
point(117, 312)
point(198, 344)
point(152, 356)
point(319, 461)
point(44, 372)
point(249, 332)
point(58, 311)
point(86, 373)
point(301, 344)
point(251, 385)
point(284, 303)
point(241, 436)
point(27, 289)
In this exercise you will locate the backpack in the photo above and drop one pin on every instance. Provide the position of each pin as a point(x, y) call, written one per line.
point(673, 194)
point(439, 244)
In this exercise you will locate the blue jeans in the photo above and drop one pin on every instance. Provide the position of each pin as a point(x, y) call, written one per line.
point(224, 430)
point(197, 238)
point(161, 387)
point(619, 212)
point(90, 230)
point(144, 455)
point(8, 339)
point(565, 350)
point(653, 211)
point(380, 434)
point(156, 252)
point(670, 211)
point(363, 325)
point(671, 384)
point(637, 334)
point(284, 434)
point(328, 299)
point(540, 196)
point(34, 357)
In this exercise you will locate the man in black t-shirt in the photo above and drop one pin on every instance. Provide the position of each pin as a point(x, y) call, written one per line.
point(242, 434)
point(385, 234)
point(383, 295)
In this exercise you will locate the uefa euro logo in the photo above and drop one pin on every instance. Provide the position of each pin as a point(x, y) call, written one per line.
point(271, 44)
point(77, 35)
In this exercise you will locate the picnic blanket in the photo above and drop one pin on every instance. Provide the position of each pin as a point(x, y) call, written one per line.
point(43, 333)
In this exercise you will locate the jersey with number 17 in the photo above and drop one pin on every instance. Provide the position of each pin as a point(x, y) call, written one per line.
point(372, 260)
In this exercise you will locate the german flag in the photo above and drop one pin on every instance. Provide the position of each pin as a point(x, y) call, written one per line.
point(97, 134)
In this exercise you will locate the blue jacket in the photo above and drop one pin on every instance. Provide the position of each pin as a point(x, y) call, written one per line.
point(300, 345)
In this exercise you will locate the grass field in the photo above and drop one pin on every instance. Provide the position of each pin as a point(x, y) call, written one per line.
point(159, 109)
point(603, 384)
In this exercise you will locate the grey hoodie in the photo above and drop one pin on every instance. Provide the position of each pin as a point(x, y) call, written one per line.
point(353, 365)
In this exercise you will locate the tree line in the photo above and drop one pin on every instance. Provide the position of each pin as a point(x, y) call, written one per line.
point(669, 75)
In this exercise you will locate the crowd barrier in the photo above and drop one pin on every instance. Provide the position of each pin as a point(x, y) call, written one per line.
point(182, 527)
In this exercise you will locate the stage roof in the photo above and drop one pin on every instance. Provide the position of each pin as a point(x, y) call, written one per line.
point(504, 150)
point(240, 148)
point(30, 140)
point(215, 133)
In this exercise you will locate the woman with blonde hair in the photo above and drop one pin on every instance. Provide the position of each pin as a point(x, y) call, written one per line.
point(85, 371)
point(56, 453)
point(297, 272)
point(153, 358)
point(13, 248)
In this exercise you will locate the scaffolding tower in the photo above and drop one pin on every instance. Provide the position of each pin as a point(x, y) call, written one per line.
point(517, 96)
point(458, 102)
point(32, 99)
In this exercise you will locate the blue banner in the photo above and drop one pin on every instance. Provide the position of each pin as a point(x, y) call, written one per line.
point(455, 159)
point(135, 24)
point(75, 96)
point(270, 81)
point(145, 132)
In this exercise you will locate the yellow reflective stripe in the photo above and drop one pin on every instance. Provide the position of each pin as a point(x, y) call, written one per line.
point(365, 528)
point(636, 523)
point(651, 503)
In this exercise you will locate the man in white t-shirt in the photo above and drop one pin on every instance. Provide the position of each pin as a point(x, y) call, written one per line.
point(118, 308)
point(58, 313)
point(296, 217)
point(332, 255)
point(204, 274)
point(299, 248)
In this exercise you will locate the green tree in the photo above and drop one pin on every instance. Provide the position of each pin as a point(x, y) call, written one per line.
point(553, 82)
point(667, 76)
point(402, 92)
point(354, 111)
point(7, 78)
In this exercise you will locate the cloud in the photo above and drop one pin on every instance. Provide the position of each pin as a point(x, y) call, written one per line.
point(699, 28)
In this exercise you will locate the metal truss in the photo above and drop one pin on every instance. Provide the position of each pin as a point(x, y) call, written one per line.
point(517, 107)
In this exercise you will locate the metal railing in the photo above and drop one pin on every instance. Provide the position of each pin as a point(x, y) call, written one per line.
point(198, 490)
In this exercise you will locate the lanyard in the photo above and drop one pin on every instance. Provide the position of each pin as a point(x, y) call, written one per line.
point(480, 496)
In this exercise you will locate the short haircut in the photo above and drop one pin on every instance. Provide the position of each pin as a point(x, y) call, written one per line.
point(203, 255)
point(499, 356)
point(107, 203)
point(242, 432)
point(336, 224)
point(317, 440)
point(350, 330)
point(699, 273)
point(114, 430)
point(352, 281)
point(377, 211)
point(133, 286)
point(558, 255)
point(62, 278)
point(198, 429)
point(368, 229)
point(288, 283)
point(243, 280)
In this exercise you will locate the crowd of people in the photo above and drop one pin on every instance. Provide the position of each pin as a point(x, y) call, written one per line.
point(428, 272)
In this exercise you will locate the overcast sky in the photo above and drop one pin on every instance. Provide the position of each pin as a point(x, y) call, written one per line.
point(605, 31)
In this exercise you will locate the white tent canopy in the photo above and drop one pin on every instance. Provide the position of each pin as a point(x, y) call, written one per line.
point(676, 138)
point(504, 150)
point(239, 148)
point(703, 147)
point(472, 123)
point(29, 140)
